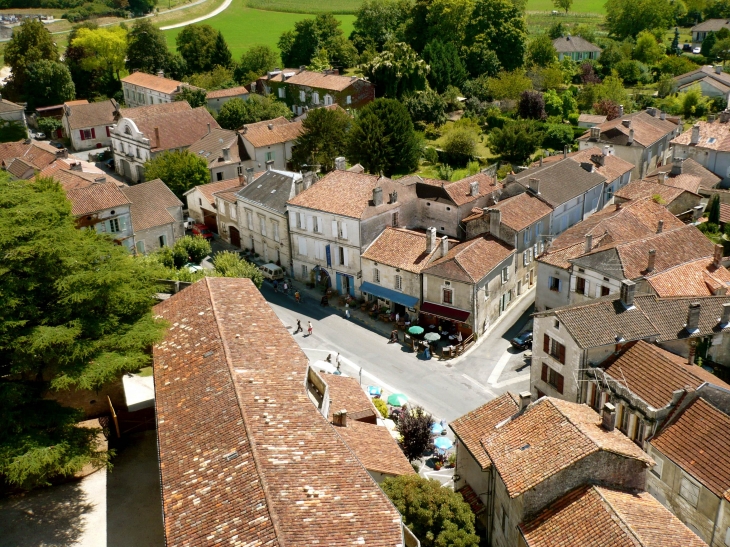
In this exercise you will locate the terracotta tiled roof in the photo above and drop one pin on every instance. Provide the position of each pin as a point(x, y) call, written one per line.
point(150, 203)
point(95, 198)
point(459, 191)
point(339, 192)
point(376, 449)
point(594, 516)
point(642, 189)
point(210, 147)
point(521, 211)
point(708, 179)
point(560, 181)
point(713, 136)
point(591, 118)
point(401, 248)
point(177, 129)
point(92, 114)
point(648, 129)
point(669, 315)
point(472, 427)
point(244, 454)
point(230, 194)
point(470, 497)
point(560, 257)
point(318, 80)
point(696, 278)
point(548, 437)
point(154, 109)
point(271, 132)
point(230, 92)
point(613, 167)
point(36, 153)
point(654, 374)
point(347, 394)
point(472, 260)
point(19, 167)
point(71, 180)
point(207, 190)
point(151, 81)
point(697, 442)
point(724, 213)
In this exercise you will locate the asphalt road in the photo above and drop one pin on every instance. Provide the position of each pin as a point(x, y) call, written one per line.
point(447, 389)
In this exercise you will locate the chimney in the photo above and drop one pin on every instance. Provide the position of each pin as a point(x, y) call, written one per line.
point(606, 150)
point(587, 165)
point(697, 211)
point(724, 116)
point(595, 133)
point(76, 166)
point(717, 256)
point(444, 245)
point(620, 110)
point(589, 243)
point(660, 227)
point(157, 137)
point(430, 240)
point(208, 128)
point(718, 69)
point(495, 219)
point(525, 398)
point(663, 177)
point(308, 179)
point(565, 150)
point(651, 111)
point(160, 73)
point(710, 118)
point(227, 154)
point(630, 140)
point(534, 186)
point(249, 175)
point(626, 123)
point(270, 126)
point(663, 115)
point(608, 421)
point(340, 163)
point(695, 134)
point(652, 260)
point(269, 165)
point(628, 288)
point(377, 196)
point(474, 188)
point(677, 166)
point(298, 184)
point(693, 318)
point(99, 180)
point(340, 418)
point(725, 314)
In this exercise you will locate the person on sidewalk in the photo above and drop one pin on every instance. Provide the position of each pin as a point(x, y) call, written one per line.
point(393, 336)
point(286, 287)
point(276, 286)
point(299, 327)
point(337, 361)
point(310, 329)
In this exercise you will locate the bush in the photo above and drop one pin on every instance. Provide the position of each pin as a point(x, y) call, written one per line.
point(460, 145)
point(229, 264)
point(414, 425)
point(430, 155)
point(381, 407)
point(557, 136)
point(195, 247)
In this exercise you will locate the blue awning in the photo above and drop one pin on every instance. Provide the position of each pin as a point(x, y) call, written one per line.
point(389, 294)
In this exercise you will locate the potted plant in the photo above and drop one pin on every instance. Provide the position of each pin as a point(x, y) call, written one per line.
point(437, 465)
point(451, 462)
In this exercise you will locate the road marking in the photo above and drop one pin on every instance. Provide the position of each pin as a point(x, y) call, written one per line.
point(499, 367)
point(480, 386)
point(515, 380)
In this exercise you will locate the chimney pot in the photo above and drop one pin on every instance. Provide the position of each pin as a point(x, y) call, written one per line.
point(271, 127)
point(269, 165)
point(161, 73)
point(660, 227)
point(226, 154)
point(606, 150)
point(663, 177)
point(340, 163)
point(718, 69)
point(377, 196)
point(695, 134)
point(725, 313)
point(157, 137)
point(663, 115)
point(693, 317)
point(677, 166)
point(208, 128)
point(626, 123)
point(652, 260)
point(444, 245)
point(249, 175)
point(608, 420)
point(620, 110)
point(631, 137)
point(534, 185)
point(589, 243)
point(565, 148)
point(474, 188)
point(717, 256)
point(495, 219)
point(339, 418)
point(525, 398)
point(628, 289)
point(430, 240)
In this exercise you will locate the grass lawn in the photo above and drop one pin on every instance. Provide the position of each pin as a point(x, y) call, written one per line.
point(244, 27)
point(579, 6)
point(306, 6)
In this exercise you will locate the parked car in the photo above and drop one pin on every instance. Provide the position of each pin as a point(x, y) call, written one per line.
point(189, 223)
point(193, 267)
point(38, 135)
point(687, 47)
point(202, 231)
point(272, 271)
point(522, 341)
point(697, 50)
point(57, 144)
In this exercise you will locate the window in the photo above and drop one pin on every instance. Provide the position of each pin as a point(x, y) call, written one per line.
point(262, 225)
point(219, 176)
point(240, 170)
point(657, 469)
point(163, 240)
point(727, 537)
point(342, 256)
point(302, 246)
point(689, 491)
point(504, 519)
point(554, 284)
point(232, 209)
point(327, 100)
point(317, 225)
point(394, 221)
point(108, 131)
point(343, 230)
point(376, 275)
point(398, 282)
point(270, 156)
point(556, 325)
point(448, 296)
point(249, 220)
point(112, 226)
point(276, 231)
point(527, 235)
point(304, 271)
point(282, 93)
point(553, 348)
point(605, 291)
point(580, 285)
point(87, 134)
point(315, 97)
point(300, 221)
point(200, 201)
point(140, 247)
point(348, 99)
point(505, 275)
point(552, 377)
point(302, 96)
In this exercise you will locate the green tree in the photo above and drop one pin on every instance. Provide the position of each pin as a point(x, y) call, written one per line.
point(180, 170)
point(627, 18)
point(482, 61)
point(647, 49)
point(146, 48)
point(48, 83)
point(563, 4)
point(692, 103)
point(397, 71)
point(323, 138)
point(221, 55)
point(414, 425)
point(382, 138)
point(439, 517)
point(501, 26)
point(721, 50)
point(675, 43)
point(218, 78)
point(194, 97)
point(255, 62)
point(531, 105)
point(31, 42)
point(557, 136)
point(88, 83)
point(76, 315)
point(553, 103)
point(509, 85)
point(229, 264)
point(377, 22)
point(676, 66)
point(426, 106)
point(447, 19)
point(237, 112)
point(140, 7)
point(108, 48)
point(460, 144)
point(49, 125)
point(707, 44)
point(446, 65)
point(556, 30)
point(195, 248)
point(665, 86)
point(299, 46)
point(541, 51)
point(516, 141)
point(714, 210)
point(197, 45)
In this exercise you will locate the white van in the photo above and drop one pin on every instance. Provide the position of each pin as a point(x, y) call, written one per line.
point(272, 271)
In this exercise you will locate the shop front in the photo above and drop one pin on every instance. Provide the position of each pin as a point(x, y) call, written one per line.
point(394, 301)
point(451, 321)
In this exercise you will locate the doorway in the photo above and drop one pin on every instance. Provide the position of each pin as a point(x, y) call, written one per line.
point(235, 236)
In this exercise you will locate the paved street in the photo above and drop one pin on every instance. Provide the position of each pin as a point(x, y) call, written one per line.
point(447, 389)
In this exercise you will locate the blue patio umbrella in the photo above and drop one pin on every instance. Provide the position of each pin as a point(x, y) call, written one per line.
point(444, 443)
point(436, 429)
point(374, 391)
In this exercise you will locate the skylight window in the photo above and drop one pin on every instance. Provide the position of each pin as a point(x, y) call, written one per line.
point(711, 140)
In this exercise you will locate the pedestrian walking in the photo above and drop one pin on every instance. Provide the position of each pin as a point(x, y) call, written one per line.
point(310, 329)
point(286, 287)
point(276, 286)
point(337, 360)
point(298, 297)
point(347, 310)
point(299, 327)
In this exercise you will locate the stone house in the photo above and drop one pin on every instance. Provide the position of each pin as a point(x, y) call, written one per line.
point(469, 287)
point(227, 215)
point(708, 144)
point(216, 99)
point(692, 472)
point(202, 206)
point(575, 48)
point(392, 266)
point(157, 215)
point(147, 131)
point(302, 89)
point(224, 152)
point(269, 143)
point(142, 89)
point(105, 208)
point(336, 218)
point(35, 155)
point(684, 204)
point(712, 81)
point(641, 138)
point(11, 112)
point(263, 222)
point(700, 30)
point(523, 458)
point(687, 174)
point(590, 120)
point(89, 125)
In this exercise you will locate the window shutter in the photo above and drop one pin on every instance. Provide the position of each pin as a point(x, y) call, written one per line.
point(573, 281)
point(598, 291)
point(344, 230)
point(559, 383)
point(344, 254)
point(550, 282)
point(560, 285)
point(122, 224)
point(546, 343)
point(108, 131)
point(320, 224)
point(302, 246)
point(334, 228)
point(310, 223)
point(561, 354)
point(292, 219)
point(93, 133)
point(544, 374)
point(524, 258)
point(81, 133)
point(588, 286)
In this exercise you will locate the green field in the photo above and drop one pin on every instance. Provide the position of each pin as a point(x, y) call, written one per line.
point(579, 6)
point(243, 27)
point(306, 6)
